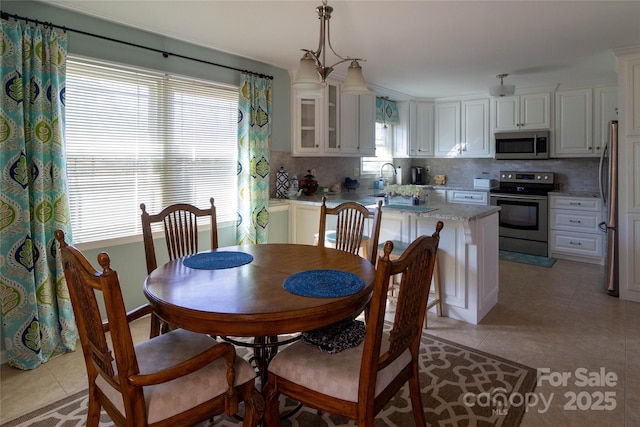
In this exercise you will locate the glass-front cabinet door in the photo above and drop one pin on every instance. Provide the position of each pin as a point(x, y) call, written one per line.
point(308, 135)
point(331, 94)
point(316, 123)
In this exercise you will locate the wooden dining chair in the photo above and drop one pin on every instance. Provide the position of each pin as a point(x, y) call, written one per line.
point(180, 226)
point(175, 379)
point(349, 233)
point(357, 383)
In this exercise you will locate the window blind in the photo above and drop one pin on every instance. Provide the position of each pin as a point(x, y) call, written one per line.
point(371, 165)
point(137, 136)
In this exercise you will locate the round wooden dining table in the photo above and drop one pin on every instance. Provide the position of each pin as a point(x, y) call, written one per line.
point(250, 300)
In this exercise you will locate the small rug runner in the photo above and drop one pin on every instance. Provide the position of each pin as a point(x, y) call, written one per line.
point(460, 386)
point(539, 261)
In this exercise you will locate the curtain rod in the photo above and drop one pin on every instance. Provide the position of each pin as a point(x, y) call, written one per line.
point(6, 16)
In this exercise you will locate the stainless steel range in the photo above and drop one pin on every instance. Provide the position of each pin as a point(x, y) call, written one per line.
point(523, 199)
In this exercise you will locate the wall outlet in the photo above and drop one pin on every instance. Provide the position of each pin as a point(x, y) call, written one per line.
point(427, 169)
point(356, 172)
point(313, 172)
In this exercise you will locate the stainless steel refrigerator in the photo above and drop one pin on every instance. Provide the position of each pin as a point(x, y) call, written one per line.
point(608, 177)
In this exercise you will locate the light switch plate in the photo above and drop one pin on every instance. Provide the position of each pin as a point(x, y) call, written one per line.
point(356, 172)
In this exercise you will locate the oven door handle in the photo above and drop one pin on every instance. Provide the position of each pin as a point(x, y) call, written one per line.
point(514, 196)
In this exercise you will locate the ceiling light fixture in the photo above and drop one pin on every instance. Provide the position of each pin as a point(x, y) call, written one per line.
point(502, 89)
point(313, 69)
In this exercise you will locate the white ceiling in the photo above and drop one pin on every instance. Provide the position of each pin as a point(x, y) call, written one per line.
point(420, 48)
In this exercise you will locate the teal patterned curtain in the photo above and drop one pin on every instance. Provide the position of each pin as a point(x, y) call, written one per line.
point(37, 317)
point(386, 111)
point(254, 142)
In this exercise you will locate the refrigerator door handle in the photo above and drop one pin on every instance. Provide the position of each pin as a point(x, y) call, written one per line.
point(601, 174)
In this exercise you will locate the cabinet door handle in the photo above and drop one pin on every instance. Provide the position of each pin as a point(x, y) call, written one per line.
point(575, 221)
point(575, 243)
point(575, 203)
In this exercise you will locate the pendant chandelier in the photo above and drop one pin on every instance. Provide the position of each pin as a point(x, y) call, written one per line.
point(313, 69)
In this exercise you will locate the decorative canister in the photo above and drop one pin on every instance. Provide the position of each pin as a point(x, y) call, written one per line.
point(309, 185)
point(282, 183)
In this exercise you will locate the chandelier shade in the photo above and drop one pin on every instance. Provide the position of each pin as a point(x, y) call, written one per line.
point(313, 69)
point(354, 84)
point(502, 89)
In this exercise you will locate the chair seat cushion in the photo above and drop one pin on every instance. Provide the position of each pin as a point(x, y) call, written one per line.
point(337, 374)
point(171, 398)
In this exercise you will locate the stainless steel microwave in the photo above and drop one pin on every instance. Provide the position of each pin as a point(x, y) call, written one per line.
point(522, 145)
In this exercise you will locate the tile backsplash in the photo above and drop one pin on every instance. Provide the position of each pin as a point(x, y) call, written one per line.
point(577, 175)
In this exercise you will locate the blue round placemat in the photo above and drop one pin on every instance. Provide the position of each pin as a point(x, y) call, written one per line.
point(217, 260)
point(323, 283)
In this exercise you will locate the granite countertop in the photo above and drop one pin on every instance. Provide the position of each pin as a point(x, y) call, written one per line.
point(448, 211)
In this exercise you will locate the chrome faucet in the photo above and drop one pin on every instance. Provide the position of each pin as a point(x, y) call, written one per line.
point(395, 172)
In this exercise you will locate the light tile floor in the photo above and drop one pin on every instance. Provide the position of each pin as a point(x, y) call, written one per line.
point(558, 318)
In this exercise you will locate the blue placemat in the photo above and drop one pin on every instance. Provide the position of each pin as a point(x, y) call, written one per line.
point(323, 283)
point(217, 260)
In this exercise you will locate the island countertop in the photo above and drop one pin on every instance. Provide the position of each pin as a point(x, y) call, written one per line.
point(446, 211)
point(467, 252)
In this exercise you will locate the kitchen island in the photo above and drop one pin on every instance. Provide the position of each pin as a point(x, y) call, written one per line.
point(467, 254)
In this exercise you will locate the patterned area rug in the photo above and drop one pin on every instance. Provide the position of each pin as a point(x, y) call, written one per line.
point(460, 386)
point(540, 261)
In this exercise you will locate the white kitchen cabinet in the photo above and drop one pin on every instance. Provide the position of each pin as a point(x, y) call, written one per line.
point(582, 121)
point(402, 130)
point(278, 227)
point(467, 263)
point(629, 159)
point(475, 128)
point(462, 129)
point(334, 125)
point(468, 197)
point(307, 131)
point(521, 112)
point(574, 123)
point(413, 136)
point(422, 144)
point(573, 228)
point(357, 126)
point(605, 110)
point(447, 129)
point(304, 221)
point(315, 123)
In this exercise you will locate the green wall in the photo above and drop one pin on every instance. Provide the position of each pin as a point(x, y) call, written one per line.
point(128, 259)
